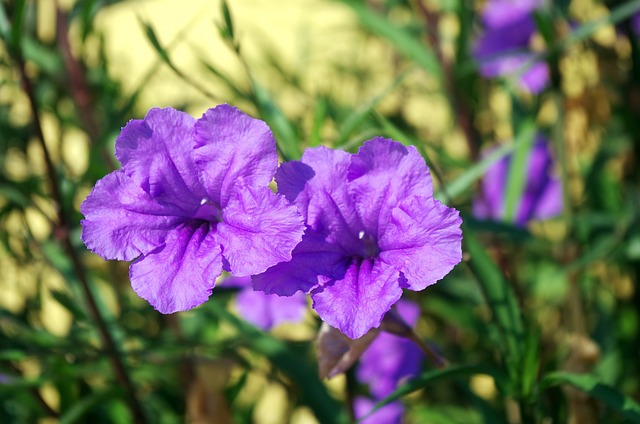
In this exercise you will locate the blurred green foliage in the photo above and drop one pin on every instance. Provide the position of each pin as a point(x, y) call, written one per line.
point(539, 324)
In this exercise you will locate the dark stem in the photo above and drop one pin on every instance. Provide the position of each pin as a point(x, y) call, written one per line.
point(61, 232)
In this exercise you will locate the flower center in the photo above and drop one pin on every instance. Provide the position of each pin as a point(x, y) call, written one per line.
point(208, 211)
point(369, 245)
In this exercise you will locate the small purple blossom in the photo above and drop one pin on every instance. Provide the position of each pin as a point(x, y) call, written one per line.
point(542, 194)
point(391, 413)
point(266, 311)
point(191, 200)
point(504, 48)
point(373, 229)
point(389, 361)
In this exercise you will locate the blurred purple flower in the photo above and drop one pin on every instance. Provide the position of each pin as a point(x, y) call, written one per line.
point(388, 362)
point(504, 47)
point(266, 311)
point(391, 413)
point(542, 194)
point(635, 23)
point(373, 228)
point(391, 359)
point(191, 199)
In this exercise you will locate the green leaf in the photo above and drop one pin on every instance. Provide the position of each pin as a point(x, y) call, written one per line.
point(84, 405)
point(153, 39)
point(356, 119)
point(590, 384)
point(227, 30)
point(499, 295)
point(465, 180)
point(434, 376)
point(290, 361)
point(411, 47)
point(282, 128)
point(518, 169)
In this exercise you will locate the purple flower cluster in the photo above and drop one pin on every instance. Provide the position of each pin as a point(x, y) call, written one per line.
point(388, 362)
point(192, 199)
point(542, 194)
point(504, 47)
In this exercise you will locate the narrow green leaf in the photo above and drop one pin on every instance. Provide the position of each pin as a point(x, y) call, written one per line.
point(411, 47)
point(590, 384)
point(228, 22)
point(355, 119)
point(465, 180)
point(434, 376)
point(153, 39)
point(518, 168)
point(84, 405)
point(499, 295)
point(309, 388)
point(19, 9)
point(282, 128)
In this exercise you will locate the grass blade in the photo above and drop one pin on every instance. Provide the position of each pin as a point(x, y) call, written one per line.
point(590, 384)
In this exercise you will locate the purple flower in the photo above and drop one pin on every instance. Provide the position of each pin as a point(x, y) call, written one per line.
point(390, 359)
point(389, 414)
point(635, 23)
point(387, 363)
point(504, 47)
point(191, 199)
point(373, 228)
point(266, 311)
point(542, 194)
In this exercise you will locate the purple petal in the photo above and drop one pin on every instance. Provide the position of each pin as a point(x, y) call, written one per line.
point(324, 200)
point(311, 259)
point(122, 221)
point(500, 13)
point(258, 230)
point(550, 202)
point(635, 23)
point(389, 414)
point(542, 194)
point(265, 311)
point(534, 79)
point(180, 274)
point(156, 153)
point(381, 174)
point(423, 240)
point(506, 41)
point(390, 360)
point(359, 301)
point(232, 146)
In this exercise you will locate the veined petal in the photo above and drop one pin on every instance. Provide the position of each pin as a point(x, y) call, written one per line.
point(230, 146)
point(258, 230)
point(381, 174)
point(423, 240)
point(317, 186)
point(313, 260)
point(180, 274)
point(122, 221)
point(358, 302)
point(156, 153)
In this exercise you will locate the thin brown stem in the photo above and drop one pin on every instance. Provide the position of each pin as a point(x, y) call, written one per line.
point(61, 232)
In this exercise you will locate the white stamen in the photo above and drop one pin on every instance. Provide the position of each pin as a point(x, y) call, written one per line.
point(203, 201)
point(361, 234)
